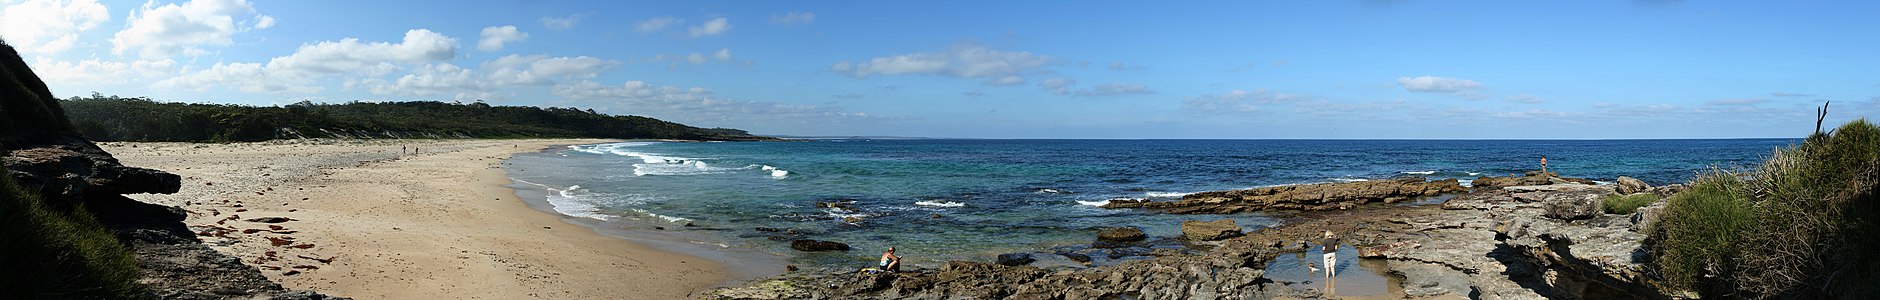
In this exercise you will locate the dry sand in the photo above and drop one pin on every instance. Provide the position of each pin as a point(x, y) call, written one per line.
point(439, 224)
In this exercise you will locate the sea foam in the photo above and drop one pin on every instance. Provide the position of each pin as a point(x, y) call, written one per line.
point(940, 203)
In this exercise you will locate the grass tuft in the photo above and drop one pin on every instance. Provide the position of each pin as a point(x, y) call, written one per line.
point(59, 254)
point(1800, 226)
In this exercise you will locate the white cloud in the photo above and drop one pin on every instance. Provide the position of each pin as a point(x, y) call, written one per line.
point(1433, 84)
point(1007, 80)
point(264, 21)
point(1114, 89)
point(697, 58)
point(1735, 102)
point(163, 31)
point(95, 71)
point(1058, 85)
point(494, 37)
point(710, 28)
point(49, 26)
point(1525, 98)
point(656, 24)
point(695, 105)
point(543, 70)
point(246, 77)
point(1788, 94)
point(963, 60)
point(723, 54)
point(351, 55)
point(562, 23)
point(1243, 101)
point(296, 73)
point(793, 18)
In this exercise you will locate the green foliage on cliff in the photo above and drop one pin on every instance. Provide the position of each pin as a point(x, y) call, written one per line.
point(1627, 204)
point(113, 118)
point(27, 116)
point(1801, 226)
point(52, 253)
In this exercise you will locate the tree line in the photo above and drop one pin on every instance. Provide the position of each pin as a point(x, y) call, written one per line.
point(114, 118)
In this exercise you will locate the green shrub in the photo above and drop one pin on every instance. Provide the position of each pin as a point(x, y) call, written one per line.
point(1627, 204)
point(1800, 226)
point(54, 254)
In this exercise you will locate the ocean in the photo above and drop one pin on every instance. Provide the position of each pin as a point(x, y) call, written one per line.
point(966, 199)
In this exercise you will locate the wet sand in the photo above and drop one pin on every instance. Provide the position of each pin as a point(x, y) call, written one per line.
point(397, 225)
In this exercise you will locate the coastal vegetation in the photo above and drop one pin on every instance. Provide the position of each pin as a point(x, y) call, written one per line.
point(1627, 204)
point(113, 118)
point(1802, 225)
point(59, 253)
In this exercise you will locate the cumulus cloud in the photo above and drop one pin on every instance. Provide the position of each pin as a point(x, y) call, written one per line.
point(495, 36)
point(169, 29)
point(1114, 89)
point(1005, 81)
point(95, 71)
point(1528, 99)
point(435, 80)
point(655, 24)
point(793, 18)
point(1058, 85)
point(1433, 84)
point(709, 28)
point(561, 23)
point(963, 60)
point(49, 26)
point(697, 58)
point(295, 73)
point(543, 70)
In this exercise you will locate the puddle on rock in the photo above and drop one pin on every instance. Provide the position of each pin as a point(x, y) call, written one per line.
point(1356, 277)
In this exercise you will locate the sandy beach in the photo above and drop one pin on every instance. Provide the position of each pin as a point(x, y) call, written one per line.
point(371, 222)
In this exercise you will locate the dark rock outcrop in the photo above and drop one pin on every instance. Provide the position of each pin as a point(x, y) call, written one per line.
point(42, 154)
point(1322, 196)
point(1117, 237)
point(815, 245)
point(1232, 271)
point(1015, 259)
point(1210, 231)
point(1529, 178)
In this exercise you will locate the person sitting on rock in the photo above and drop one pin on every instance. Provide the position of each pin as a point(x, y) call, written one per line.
point(890, 262)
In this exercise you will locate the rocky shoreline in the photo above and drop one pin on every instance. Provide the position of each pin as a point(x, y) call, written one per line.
point(1525, 236)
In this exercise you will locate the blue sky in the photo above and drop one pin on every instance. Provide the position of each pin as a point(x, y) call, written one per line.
point(1034, 69)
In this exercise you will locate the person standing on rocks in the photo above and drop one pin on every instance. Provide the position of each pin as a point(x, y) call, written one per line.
point(1543, 164)
point(1329, 246)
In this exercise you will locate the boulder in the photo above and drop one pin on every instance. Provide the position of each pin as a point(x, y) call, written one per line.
point(1015, 259)
point(1642, 219)
point(1124, 234)
point(815, 245)
point(1573, 206)
point(1210, 231)
point(1629, 185)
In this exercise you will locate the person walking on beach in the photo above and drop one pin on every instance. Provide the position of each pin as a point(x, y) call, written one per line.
point(890, 262)
point(1329, 246)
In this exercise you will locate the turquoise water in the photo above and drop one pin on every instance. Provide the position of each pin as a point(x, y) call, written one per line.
point(938, 200)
